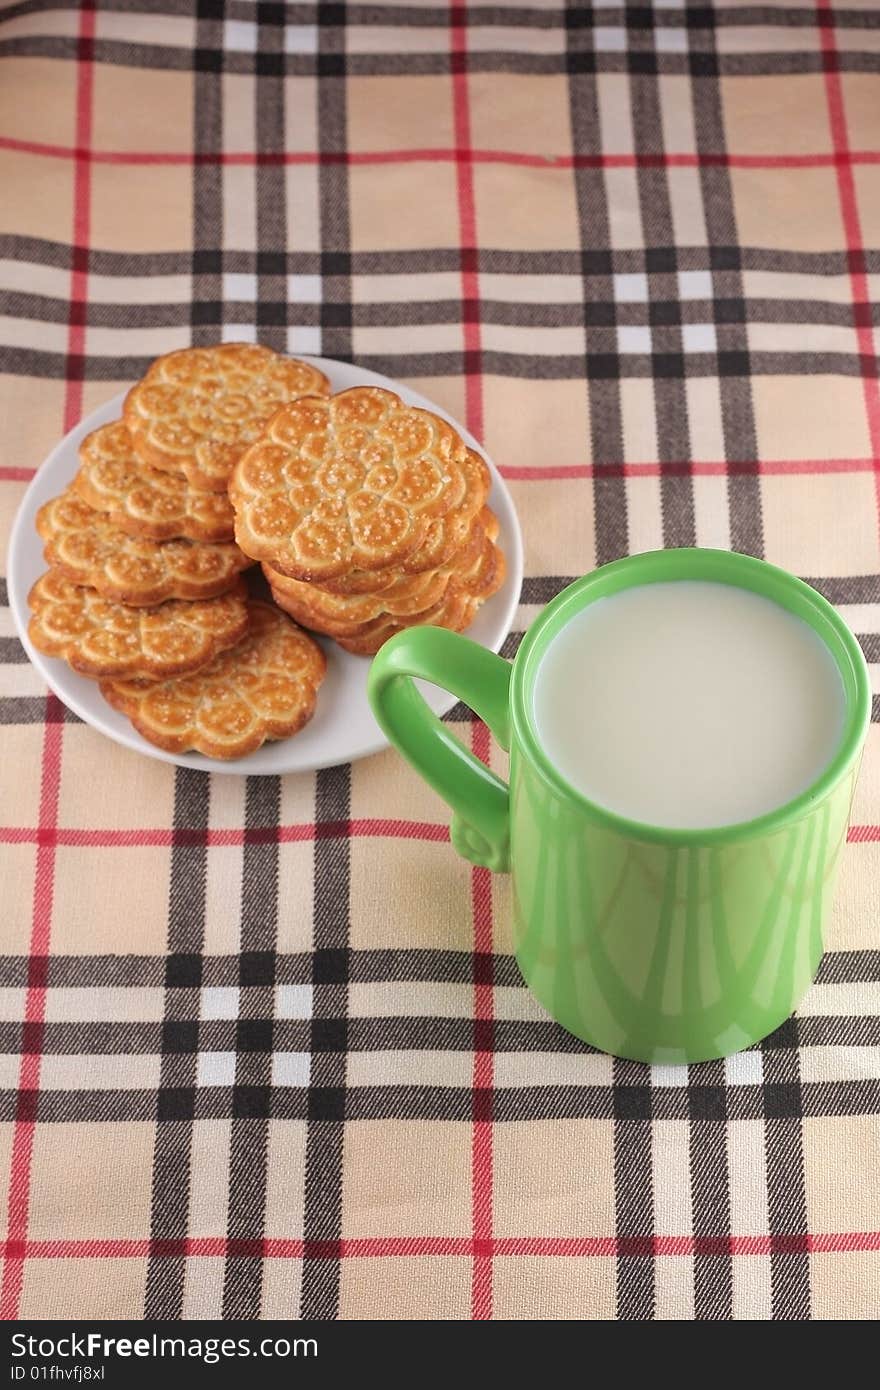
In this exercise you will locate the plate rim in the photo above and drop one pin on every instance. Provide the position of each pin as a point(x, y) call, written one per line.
point(19, 537)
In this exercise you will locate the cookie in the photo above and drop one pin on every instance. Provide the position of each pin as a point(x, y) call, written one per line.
point(145, 501)
point(100, 638)
point(455, 612)
point(445, 538)
point(456, 609)
point(264, 688)
point(353, 483)
point(197, 410)
point(83, 546)
point(408, 596)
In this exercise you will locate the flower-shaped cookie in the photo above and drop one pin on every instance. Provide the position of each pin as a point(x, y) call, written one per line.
point(265, 688)
point(145, 501)
point(410, 595)
point(100, 638)
point(84, 546)
point(197, 410)
point(465, 592)
point(444, 539)
point(352, 483)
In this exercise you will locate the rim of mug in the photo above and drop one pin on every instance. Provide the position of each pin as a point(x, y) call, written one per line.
point(720, 566)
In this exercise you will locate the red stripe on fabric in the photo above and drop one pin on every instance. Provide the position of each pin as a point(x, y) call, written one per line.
point(481, 887)
point(18, 1200)
point(676, 468)
point(863, 834)
point(849, 208)
point(44, 871)
point(484, 1073)
point(710, 468)
point(432, 155)
point(383, 1247)
point(286, 834)
point(467, 222)
point(76, 336)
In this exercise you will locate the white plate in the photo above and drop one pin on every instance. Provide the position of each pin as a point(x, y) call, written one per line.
point(343, 727)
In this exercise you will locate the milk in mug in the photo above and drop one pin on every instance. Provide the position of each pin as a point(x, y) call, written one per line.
point(688, 704)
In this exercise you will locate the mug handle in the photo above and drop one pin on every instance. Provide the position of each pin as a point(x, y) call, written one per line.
point(479, 799)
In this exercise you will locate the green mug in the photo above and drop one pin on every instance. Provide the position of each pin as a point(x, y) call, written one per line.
point(661, 945)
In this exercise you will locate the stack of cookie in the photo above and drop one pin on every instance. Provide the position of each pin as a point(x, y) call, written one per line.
point(369, 516)
point(144, 591)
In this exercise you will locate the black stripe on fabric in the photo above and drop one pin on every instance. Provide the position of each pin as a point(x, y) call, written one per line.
point(205, 262)
point(630, 1105)
point(785, 1108)
point(856, 588)
point(510, 646)
point(632, 1157)
point(31, 709)
point(409, 1033)
point(167, 57)
point(12, 653)
point(710, 1190)
point(433, 260)
point(745, 507)
point(870, 645)
point(84, 971)
point(175, 1106)
point(664, 308)
point(606, 423)
point(253, 1043)
point(169, 8)
point(526, 17)
point(710, 1174)
point(26, 7)
point(322, 1219)
point(326, 1098)
point(271, 199)
point(541, 589)
point(510, 1104)
point(848, 967)
point(365, 967)
point(333, 196)
point(604, 370)
point(670, 398)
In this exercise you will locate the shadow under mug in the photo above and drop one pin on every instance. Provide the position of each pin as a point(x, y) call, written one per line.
point(662, 945)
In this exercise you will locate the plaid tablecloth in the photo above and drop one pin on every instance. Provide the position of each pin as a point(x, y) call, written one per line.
point(265, 1048)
